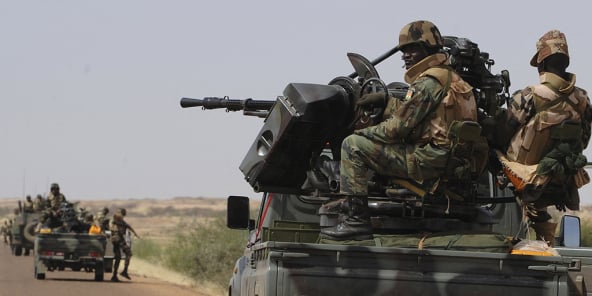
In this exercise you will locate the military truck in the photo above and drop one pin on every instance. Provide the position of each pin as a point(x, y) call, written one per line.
point(68, 243)
point(23, 231)
point(463, 241)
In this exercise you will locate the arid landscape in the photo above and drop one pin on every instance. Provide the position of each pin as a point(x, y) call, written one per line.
point(159, 220)
point(154, 219)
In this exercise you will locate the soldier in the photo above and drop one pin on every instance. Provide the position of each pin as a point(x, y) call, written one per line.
point(102, 220)
point(417, 130)
point(38, 204)
point(118, 230)
point(4, 230)
point(544, 158)
point(55, 198)
point(28, 206)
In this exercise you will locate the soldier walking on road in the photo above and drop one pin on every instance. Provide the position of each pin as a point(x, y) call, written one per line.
point(118, 229)
point(4, 230)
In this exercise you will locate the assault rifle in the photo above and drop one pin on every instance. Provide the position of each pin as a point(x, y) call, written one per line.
point(250, 107)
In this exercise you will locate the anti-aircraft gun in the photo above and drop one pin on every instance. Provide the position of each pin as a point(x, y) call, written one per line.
point(290, 150)
point(418, 237)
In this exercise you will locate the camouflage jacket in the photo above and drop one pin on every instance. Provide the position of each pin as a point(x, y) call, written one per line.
point(540, 107)
point(118, 229)
point(55, 201)
point(422, 118)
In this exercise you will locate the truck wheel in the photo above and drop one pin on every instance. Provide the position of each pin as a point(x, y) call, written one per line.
point(29, 231)
point(27, 251)
point(99, 271)
point(18, 250)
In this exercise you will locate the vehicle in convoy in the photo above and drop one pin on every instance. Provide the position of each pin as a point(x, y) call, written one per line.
point(23, 232)
point(77, 251)
point(462, 240)
point(72, 244)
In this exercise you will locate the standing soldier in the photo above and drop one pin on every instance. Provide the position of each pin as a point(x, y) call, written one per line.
point(118, 229)
point(102, 220)
point(4, 230)
point(28, 206)
point(55, 198)
point(38, 204)
point(544, 159)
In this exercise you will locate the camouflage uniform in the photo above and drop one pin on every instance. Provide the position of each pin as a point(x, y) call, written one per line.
point(38, 204)
point(118, 228)
point(537, 110)
point(413, 142)
point(55, 200)
point(4, 231)
point(419, 127)
point(28, 205)
point(102, 220)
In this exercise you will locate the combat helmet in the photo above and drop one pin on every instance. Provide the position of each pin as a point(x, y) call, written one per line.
point(551, 43)
point(422, 31)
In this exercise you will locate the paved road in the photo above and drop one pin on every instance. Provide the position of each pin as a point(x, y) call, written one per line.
point(16, 278)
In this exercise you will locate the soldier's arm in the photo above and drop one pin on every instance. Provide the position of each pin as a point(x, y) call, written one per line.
point(131, 229)
point(410, 114)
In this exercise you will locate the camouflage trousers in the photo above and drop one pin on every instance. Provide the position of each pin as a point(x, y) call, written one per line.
point(358, 154)
point(121, 246)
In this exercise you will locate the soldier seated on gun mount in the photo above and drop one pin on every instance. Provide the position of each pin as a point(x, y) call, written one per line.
point(70, 221)
point(414, 141)
point(55, 197)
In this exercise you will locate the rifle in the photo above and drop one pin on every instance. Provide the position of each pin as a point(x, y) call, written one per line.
point(259, 108)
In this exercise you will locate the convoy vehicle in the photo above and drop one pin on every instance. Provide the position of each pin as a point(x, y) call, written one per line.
point(72, 244)
point(57, 251)
point(462, 240)
point(23, 232)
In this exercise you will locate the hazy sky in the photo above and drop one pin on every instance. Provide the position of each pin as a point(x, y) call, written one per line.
point(90, 90)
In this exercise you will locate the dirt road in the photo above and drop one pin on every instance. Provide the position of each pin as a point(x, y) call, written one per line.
point(16, 278)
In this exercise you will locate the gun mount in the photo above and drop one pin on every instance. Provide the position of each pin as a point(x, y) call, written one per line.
point(310, 120)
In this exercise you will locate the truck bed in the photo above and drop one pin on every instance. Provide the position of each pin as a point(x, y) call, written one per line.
point(306, 269)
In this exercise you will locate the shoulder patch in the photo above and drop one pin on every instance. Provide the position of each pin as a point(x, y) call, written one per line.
point(409, 94)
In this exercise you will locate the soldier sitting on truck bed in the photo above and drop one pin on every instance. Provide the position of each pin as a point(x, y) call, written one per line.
point(70, 221)
point(102, 220)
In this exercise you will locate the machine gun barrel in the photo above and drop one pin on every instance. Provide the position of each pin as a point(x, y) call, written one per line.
point(249, 106)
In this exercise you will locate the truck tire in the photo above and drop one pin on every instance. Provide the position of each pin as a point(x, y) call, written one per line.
point(29, 232)
point(99, 271)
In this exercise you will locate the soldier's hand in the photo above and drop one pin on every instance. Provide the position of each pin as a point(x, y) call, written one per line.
point(376, 99)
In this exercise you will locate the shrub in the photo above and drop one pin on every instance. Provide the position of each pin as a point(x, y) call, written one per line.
point(148, 249)
point(206, 253)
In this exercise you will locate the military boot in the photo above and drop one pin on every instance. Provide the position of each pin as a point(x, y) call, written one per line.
point(354, 224)
point(545, 231)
